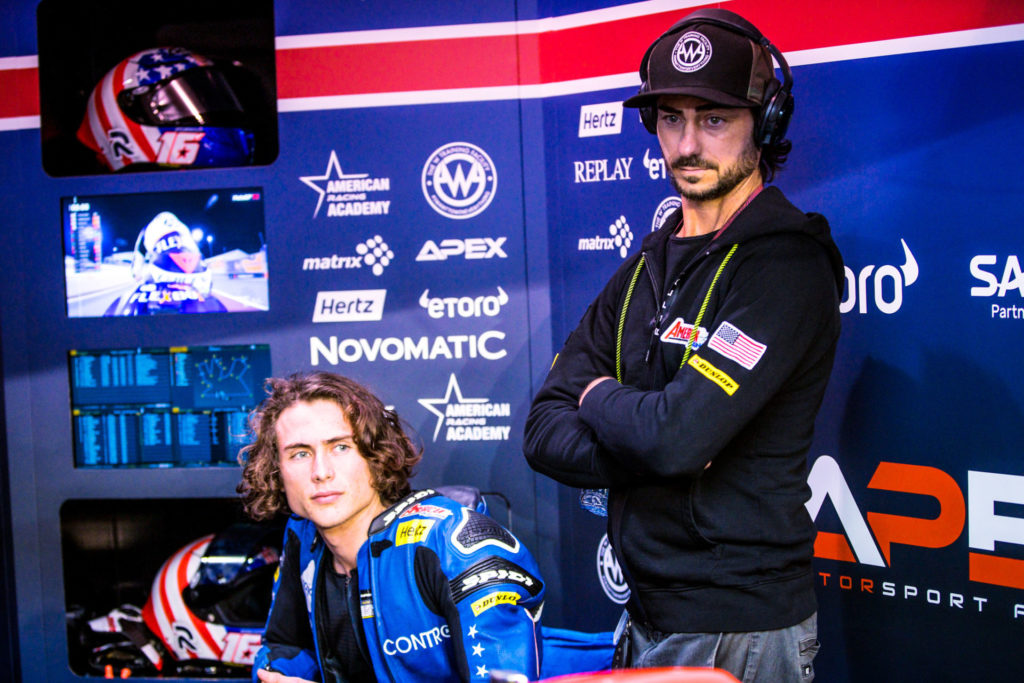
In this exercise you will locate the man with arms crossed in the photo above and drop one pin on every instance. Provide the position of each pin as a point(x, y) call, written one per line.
point(691, 385)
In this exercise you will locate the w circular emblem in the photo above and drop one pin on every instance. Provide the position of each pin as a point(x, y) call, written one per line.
point(692, 52)
point(608, 571)
point(459, 180)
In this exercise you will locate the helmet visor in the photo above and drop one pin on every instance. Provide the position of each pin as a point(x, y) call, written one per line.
point(195, 97)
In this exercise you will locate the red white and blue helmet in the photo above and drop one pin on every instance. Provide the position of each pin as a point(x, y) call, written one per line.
point(211, 598)
point(166, 106)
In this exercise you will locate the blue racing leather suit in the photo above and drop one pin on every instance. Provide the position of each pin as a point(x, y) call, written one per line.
point(445, 594)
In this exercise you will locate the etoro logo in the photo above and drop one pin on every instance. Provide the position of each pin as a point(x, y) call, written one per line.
point(869, 539)
point(463, 306)
point(468, 419)
point(374, 253)
point(887, 285)
point(348, 194)
point(613, 583)
point(459, 180)
point(621, 238)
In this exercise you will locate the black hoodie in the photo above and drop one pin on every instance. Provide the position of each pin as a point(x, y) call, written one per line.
point(703, 444)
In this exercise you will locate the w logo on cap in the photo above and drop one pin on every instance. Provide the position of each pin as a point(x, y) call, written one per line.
point(692, 52)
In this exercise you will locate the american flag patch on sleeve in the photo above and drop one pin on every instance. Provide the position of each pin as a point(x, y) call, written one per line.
point(730, 341)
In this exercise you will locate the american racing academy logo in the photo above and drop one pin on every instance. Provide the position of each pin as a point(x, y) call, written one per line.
point(1012, 278)
point(610, 573)
point(374, 254)
point(882, 285)
point(468, 419)
point(620, 238)
point(664, 210)
point(459, 180)
point(348, 194)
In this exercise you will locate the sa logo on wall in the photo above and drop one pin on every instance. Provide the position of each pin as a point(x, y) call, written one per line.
point(459, 180)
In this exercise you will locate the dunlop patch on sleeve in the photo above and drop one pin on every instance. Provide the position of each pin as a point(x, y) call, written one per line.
point(728, 384)
point(494, 599)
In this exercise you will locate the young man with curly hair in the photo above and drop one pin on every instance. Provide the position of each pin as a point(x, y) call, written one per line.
point(376, 581)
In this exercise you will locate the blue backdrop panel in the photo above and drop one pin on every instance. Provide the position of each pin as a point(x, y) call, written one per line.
point(454, 321)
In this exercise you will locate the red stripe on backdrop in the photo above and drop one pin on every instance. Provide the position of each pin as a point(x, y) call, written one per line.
point(22, 92)
point(397, 67)
point(797, 25)
point(602, 49)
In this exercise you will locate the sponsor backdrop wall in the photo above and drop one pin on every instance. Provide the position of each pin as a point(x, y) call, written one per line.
point(446, 188)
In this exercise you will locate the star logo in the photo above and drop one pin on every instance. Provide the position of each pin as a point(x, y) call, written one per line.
point(481, 671)
point(478, 650)
point(472, 631)
point(333, 172)
point(432, 403)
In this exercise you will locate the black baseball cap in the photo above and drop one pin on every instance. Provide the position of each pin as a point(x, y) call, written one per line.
point(708, 61)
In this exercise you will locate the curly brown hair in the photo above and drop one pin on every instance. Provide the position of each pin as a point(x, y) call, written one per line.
point(377, 432)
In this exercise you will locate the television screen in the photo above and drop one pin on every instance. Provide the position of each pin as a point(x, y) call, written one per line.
point(164, 407)
point(194, 251)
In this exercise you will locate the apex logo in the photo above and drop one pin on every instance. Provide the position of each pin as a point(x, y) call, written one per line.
point(472, 248)
point(869, 539)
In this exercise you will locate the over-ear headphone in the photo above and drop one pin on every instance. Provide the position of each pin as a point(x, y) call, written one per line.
point(777, 108)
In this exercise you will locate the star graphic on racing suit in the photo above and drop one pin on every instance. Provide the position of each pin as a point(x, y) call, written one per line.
point(472, 631)
point(453, 387)
point(478, 650)
point(481, 671)
point(314, 180)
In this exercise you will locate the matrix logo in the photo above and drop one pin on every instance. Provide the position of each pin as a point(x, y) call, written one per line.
point(374, 253)
point(868, 539)
point(887, 284)
point(459, 180)
point(620, 240)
